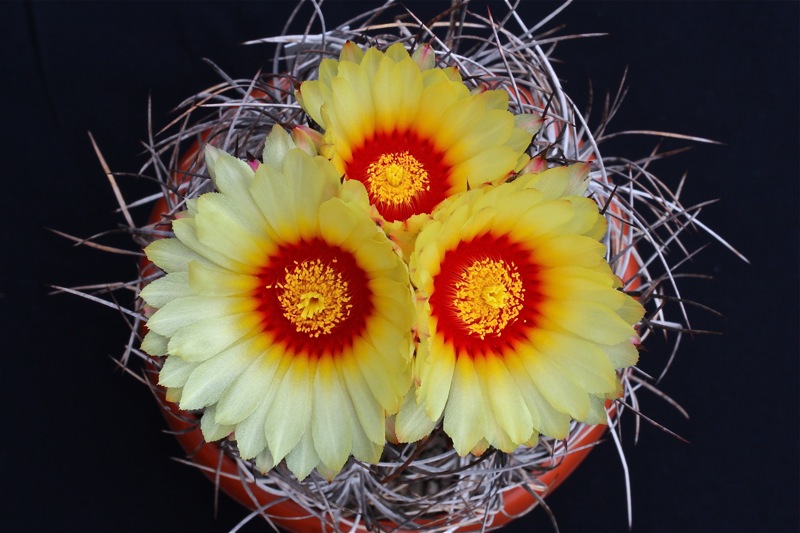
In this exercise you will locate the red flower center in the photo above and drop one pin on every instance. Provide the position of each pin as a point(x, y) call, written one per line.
point(403, 174)
point(485, 297)
point(314, 298)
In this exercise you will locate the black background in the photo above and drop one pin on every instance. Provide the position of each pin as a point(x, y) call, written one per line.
point(83, 446)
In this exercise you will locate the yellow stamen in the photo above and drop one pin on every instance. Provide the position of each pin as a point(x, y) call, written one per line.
point(396, 178)
point(488, 296)
point(314, 298)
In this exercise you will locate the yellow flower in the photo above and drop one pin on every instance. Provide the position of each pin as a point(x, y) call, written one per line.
point(411, 133)
point(285, 313)
point(522, 324)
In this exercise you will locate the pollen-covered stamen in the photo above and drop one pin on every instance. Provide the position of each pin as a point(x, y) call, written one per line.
point(488, 296)
point(396, 178)
point(314, 297)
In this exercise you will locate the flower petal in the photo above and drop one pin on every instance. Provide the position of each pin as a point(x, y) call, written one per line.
point(330, 425)
point(465, 415)
point(289, 416)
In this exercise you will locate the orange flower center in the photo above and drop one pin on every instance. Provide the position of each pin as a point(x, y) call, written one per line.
point(396, 178)
point(314, 298)
point(488, 296)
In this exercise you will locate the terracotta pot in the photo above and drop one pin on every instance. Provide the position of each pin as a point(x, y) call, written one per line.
point(224, 471)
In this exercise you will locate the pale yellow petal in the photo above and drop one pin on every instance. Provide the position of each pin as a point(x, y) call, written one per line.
point(277, 144)
point(631, 311)
point(588, 320)
point(436, 98)
point(221, 228)
point(583, 362)
point(424, 56)
point(397, 52)
point(311, 96)
point(264, 461)
point(171, 255)
point(303, 458)
point(313, 181)
point(209, 281)
point(184, 311)
point(622, 355)
point(367, 408)
point(359, 87)
point(160, 292)
point(154, 344)
point(488, 166)
point(186, 230)
point(242, 397)
point(350, 52)
point(506, 402)
point(490, 128)
point(436, 378)
point(213, 431)
point(342, 225)
point(573, 252)
point(250, 435)
point(465, 414)
point(206, 338)
point(233, 178)
point(289, 416)
point(175, 372)
point(547, 420)
point(561, 392)
point(331, 427)
point(597, 412)
point(375, 375)
point(411, 423)
point(211, 378)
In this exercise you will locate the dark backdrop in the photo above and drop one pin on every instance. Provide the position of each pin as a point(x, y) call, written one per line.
point(83, 447)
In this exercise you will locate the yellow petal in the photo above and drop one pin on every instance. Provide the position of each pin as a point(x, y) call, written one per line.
point(277, 144)
point(211, 378)
point(582, 361)
point(492, 164)
point(210, 281)
point(160, 292)
point(289, 416)
point(465, 414)
point(561, 392)
point(330, 425)
point(491, 127)
point(506, 402)
point(213, 431)
point(622, 355)
point(175, 372)
point(245, 393)
point(154, 344)
point(233, 234)
point(368, 410)
point(411, 423)
point(206, 338)
point(545, 418)
point(233, 177)
point(185, 311)
point(171, 255)
point(588, 320)
point(249, 433)
point(303, 458)
point(436, 378)
point(186, 231)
